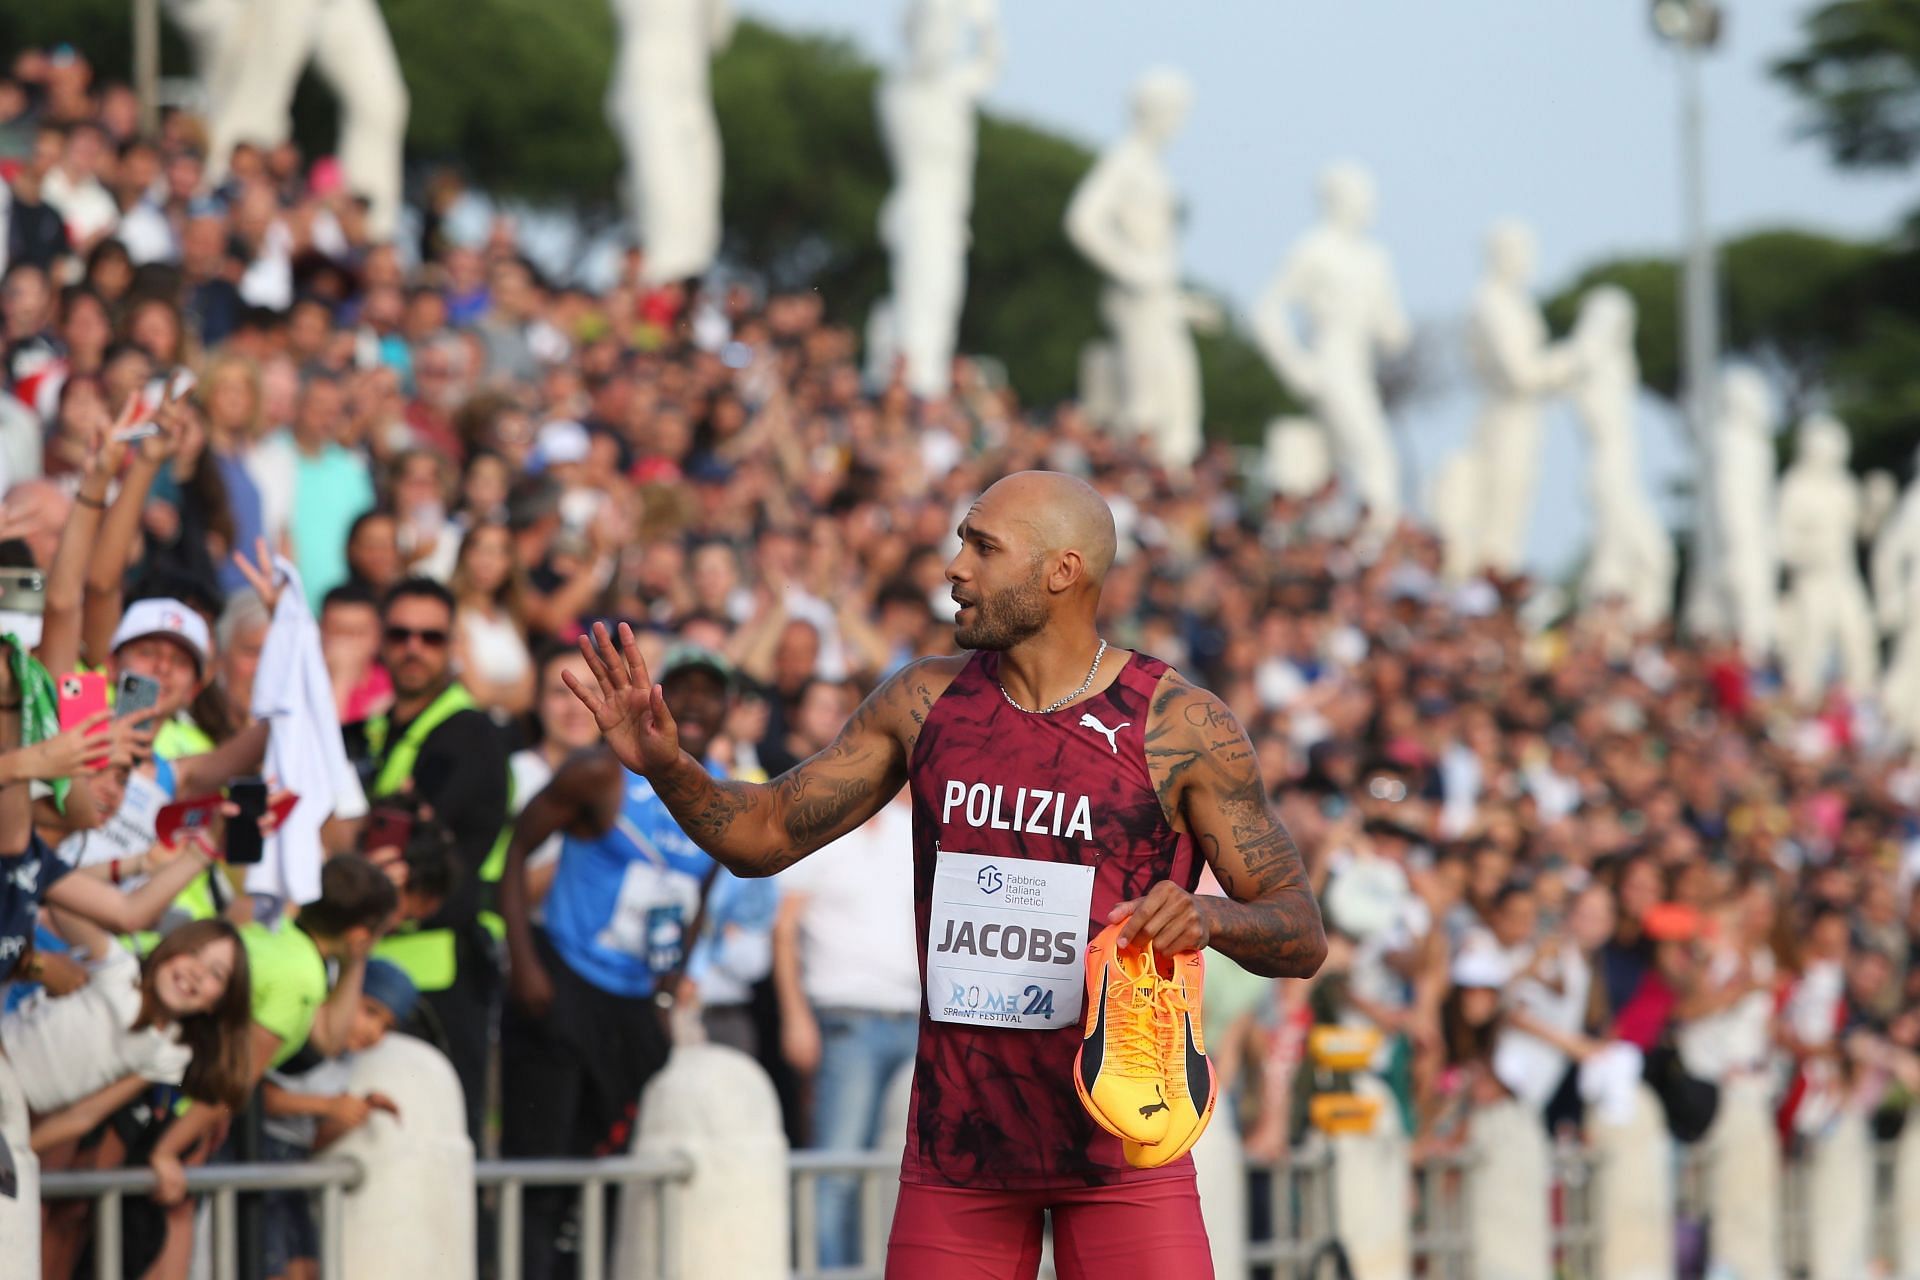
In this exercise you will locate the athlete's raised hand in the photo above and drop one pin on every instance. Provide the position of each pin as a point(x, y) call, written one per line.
point(629, 708)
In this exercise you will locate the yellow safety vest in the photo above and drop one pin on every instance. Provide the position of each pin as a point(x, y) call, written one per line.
point(429, 956)
point(180, 737)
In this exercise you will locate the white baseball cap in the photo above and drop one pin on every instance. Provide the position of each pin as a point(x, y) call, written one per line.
point(1481, 967)
point(167, 618)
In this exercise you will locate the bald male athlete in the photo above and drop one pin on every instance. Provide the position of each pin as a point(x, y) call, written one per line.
point(1058, 785)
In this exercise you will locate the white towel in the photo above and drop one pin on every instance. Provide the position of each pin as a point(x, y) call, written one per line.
point(1610, 1081)
point(305, 753)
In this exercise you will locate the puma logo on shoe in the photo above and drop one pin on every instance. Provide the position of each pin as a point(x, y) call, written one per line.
point(1152, 1107)
point(1091, 721)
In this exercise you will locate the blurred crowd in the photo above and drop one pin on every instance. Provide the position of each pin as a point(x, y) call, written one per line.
point(235, 435)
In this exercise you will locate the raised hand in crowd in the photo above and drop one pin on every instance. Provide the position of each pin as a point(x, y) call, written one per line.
point(261, 574)
point(84, 749)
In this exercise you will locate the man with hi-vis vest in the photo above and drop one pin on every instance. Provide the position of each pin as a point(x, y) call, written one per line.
point(438, 745)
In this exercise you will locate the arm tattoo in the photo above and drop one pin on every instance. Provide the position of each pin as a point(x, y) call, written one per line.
point(763, 828)
point(1208, 781)
point(706, 809)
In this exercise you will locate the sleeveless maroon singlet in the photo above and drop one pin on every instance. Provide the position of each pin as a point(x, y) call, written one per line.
point(995, 1108)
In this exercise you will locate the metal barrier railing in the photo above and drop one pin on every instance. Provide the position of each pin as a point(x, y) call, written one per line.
point(1300, 1210)
point(1302, 1215)
point(1692, 1186)
point(224, 1184)
point(1796, 1244)
point(658, 1176)
point(1886, 1210)
point(1442, 1241)
point(1576, 1232)
point(876, 1174)
point(1299, 1201)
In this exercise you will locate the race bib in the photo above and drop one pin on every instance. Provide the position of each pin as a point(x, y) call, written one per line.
point(650, 916)
point(127, 834)
point(1007, 941)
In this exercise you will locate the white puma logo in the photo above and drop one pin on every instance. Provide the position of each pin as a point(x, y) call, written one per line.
point(1091, 721)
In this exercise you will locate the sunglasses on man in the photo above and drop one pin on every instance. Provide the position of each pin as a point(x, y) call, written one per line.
point(429, 637)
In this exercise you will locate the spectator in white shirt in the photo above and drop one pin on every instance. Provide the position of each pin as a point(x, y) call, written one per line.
point(73, 187)
point(848, 982)
point(1549, 1004)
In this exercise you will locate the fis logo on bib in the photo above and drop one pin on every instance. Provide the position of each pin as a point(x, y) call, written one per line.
point(989, 879)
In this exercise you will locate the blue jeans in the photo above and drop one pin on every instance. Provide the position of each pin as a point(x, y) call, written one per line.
point(860, 1053)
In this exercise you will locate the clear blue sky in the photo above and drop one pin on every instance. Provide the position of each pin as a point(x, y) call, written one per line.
point(1561, 113)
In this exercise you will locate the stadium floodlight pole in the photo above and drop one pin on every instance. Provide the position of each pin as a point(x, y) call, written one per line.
point(146, 63)
point(1693, 27)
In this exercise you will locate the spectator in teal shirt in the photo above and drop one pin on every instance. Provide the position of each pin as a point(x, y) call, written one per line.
point(331, 485)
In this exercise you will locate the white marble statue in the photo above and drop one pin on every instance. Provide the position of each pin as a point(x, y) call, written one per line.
point(1518, 369)
point(1896, 597)
point(1341, 281)
point(661, 106)
point(250, 54)
point(927, 123)
point(1296, 459)
point(1125, 218)
point(1824, 614)
point(1743, 503)
point(1631, 558)
point(1879, 495)
point(1453, 496)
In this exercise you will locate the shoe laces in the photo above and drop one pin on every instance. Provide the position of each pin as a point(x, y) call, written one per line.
point(1138, 1040)
point(1169, 1006)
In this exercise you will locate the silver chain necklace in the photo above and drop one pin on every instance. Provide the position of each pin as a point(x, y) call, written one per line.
point(1086, 684)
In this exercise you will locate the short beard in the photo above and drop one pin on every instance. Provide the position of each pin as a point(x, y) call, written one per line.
point(410, 689)
point(1003, 619)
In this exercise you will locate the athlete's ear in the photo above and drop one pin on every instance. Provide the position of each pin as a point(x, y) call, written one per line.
point(1069, 569)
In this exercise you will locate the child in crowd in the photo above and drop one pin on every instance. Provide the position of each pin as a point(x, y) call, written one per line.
point(178, 1018)
point(102, 1067)
point(310, 1110)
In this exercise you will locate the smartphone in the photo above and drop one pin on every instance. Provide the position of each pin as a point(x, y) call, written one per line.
point(23, 591)
point(186, 816)
point(137, 433)
point(81, 695)
point(135, 694)
point(244, 842)
point(387, 828)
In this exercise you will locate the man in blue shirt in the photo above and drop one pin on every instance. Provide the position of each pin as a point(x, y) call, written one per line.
point(581, 1033)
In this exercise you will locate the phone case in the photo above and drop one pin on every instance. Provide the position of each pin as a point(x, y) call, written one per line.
point(136, 694)
point(185, 815)
point(81, 696)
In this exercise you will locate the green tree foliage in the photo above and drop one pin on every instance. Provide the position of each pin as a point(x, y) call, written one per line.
point(1831, 321)
point(513, 93)
point(805, 173)
point(1858, 75)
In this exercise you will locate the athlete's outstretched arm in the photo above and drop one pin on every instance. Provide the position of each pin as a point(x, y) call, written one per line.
point(757, 829)
point(1204, 769)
